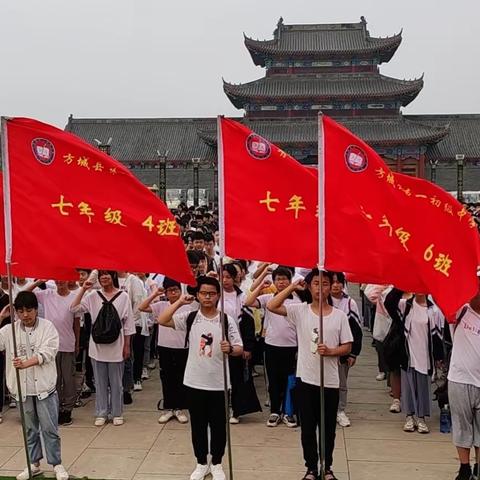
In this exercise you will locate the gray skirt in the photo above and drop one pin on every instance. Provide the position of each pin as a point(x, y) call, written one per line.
point(416, 393)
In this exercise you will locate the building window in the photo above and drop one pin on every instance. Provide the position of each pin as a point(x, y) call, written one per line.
point(376, 105)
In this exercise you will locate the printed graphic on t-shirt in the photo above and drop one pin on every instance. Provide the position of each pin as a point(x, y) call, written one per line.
point(314, 340)
point(206, 345)
point(471, 327)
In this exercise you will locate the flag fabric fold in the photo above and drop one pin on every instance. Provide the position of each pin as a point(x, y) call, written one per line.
point(72, 205)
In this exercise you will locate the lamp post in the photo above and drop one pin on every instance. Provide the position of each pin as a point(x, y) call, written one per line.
point(196, 164)
point(460, 158)
point(433, 170)
point(162, 174)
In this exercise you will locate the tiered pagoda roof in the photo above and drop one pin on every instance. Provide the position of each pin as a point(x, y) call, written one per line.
point(323, 41)
point(323, 87)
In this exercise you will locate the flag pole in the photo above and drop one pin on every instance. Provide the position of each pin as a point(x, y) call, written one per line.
point(221, 226)
point(321, 267)
point(8, 260)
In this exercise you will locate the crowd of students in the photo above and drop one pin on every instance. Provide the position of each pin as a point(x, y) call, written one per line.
point(113, 326)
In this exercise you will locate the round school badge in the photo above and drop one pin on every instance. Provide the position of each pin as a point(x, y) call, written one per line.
point(356, 159)
point(258, 147)
point(43, 150)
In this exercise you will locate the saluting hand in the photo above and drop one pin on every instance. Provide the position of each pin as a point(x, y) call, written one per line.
point(186, 299)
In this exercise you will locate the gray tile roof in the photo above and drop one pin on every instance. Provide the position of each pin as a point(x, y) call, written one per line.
point(324, 87)
point(139, 139)
point(463, 137)
point(378, 132)
point(323, 41)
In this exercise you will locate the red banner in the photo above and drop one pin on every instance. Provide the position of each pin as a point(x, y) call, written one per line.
point(393, 228)
point(269, 199)
point(73, 206)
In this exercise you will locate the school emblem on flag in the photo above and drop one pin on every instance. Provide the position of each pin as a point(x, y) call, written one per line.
point(356, 159)
point(43, 150)
point(258, 147)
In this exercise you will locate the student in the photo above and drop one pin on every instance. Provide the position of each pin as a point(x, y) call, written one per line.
point(56, 307)
point(172, 352)
point(198, 239)
point(37, 345)
point(337, 343)
point(349, 306)
point(280, 344)
point(4, 301)
point(204, 371)
point(420, 320)
point(464, 386)
point(107, 358)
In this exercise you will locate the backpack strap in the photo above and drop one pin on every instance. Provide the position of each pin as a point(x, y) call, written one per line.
point(112, 299)
point(190, 320)
point(459, 319)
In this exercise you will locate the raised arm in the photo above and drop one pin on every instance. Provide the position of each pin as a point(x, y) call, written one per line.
point(252, 297)
point(166, 317)
point(260, 279)
point(76, 306)
point(261, 268)
point(34, 285)
point(275, 305)
point(144, 306)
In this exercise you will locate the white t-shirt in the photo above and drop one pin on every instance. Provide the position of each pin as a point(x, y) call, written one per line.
point(465, 362)
point(57, 309)
point(204, 369)
point(112, 352)
point(31, 390)
point(417, 326)
point(233, 304)
point(169, 337)
point(136, 292)
point(347, 304)
point(336, 332)
point(279, 331)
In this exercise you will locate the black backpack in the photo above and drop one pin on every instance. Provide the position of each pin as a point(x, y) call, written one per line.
point(107, 326)
point(191, 319)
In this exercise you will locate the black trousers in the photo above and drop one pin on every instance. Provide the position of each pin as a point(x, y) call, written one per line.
point(172, 369)
point(83, 354)
point(138, 345)
point(280, 362)
point(207, 409)
point(309, 411)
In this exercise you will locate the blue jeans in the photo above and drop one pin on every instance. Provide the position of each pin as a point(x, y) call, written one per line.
point(41, 418)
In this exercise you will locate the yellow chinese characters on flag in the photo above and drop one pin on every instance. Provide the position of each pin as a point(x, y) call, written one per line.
point(73, 206)
point(385, 227)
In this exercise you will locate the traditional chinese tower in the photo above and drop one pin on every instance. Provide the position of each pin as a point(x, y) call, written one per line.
point(333, 68)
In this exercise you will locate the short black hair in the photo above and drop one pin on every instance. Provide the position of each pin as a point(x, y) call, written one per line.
point(231, 270)
point(243, 264)
point(204, 280)
point(282, 272)
point(209, 237)
point(25, 300)
point(170, 282)
point(113, 274)
point(193, 257)
point(88, 270)
point(340, 277)
point(316, 273)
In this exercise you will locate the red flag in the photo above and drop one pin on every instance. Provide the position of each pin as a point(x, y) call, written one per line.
point(69, 205)
point(268, 201)
point(393, 228)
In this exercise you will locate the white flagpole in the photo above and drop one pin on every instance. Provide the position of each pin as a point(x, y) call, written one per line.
point(8, 260)
point(221, 228)
point(321, 267)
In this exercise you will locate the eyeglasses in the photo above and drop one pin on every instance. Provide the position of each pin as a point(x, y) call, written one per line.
point(208, 294)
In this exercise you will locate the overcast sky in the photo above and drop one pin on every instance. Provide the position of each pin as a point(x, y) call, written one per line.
point(166, 58)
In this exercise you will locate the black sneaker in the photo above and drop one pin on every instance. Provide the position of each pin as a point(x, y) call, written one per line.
point(127, 398)
point(67, 419)
point(465, 473)
point(61, 418)
point(475, 470)
point(310, 475)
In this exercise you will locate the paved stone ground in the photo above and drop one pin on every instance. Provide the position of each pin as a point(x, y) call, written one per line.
point(374, 447)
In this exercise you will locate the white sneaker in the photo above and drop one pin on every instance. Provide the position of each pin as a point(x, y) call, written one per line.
point(217, 472)
point(145, 375)
point(234, 420)
point(117, 421)
point(60, 472)
point(152, 365)
point(200, 472)
point(100, 421)
point(289, 421)
point(137, 387)
point(273, 420)
point(395, 407)
point(342, 419)
point(180, 416)
point(380, 377)
point(25, 476)
point(422, 427)
point(410, 424)
point(166, 416)
point(1, 418)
